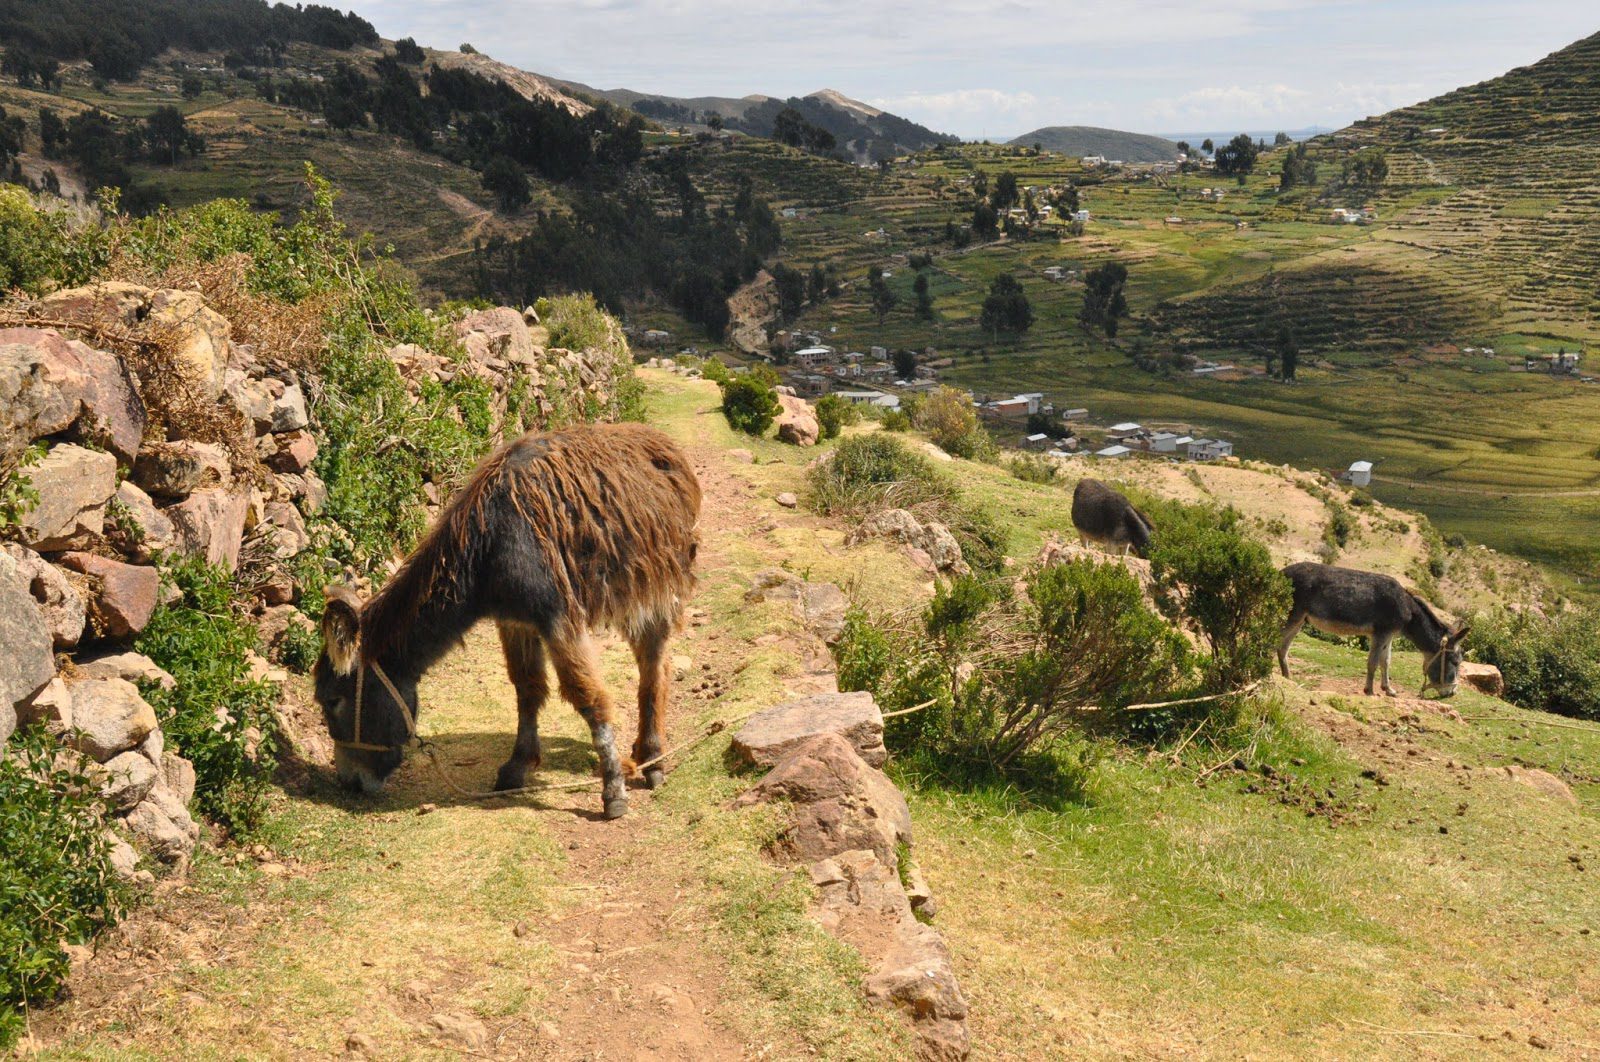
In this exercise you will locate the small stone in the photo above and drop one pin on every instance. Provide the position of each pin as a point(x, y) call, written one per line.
point(461, 1028)
point(787, 499)
point(427, 809)
point(359, 1043)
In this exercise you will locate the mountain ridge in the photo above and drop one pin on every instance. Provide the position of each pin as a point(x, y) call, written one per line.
point(1095, 140)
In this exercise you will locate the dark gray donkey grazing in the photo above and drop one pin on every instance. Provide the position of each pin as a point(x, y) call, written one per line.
point(1103, 516)
point(1347, 602)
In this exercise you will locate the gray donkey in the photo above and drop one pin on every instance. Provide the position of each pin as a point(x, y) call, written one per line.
point(1103, 516)
point(1345, 601)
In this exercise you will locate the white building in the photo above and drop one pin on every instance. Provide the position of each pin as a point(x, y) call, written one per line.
point(1164, 442)
point(1209, 449)
point(1126, 430)
point(810, 356)
point(1360, 474)
point(1113, 451)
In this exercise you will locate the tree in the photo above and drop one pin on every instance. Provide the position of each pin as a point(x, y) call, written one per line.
point(1280, 140)
point(1207, 146)
point(1068, 200)
point(985, 222)
point(1004, 196)
point(1183, 147)
point(924, 297)
point(905, 364)
point(11, 130)
point(167, 133)
point(714, 121)
point(952, 425)
point(1006, 307)
point(883, 299)
point(1288, 352)
point(816, 284)
point(1104, 299)
point(790, 286)
point(1238, 156)
point(192, 86)
point(52, 131)
point(1298, 169)
point(508, 182)
point(833, 413)
point(749, 403)
point(1367, 168)
point(407, 51)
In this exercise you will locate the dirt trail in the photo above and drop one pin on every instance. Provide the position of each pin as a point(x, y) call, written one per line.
point(430, 926)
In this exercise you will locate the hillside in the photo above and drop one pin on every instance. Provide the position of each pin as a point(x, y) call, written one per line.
point(1369, 876)
point(865, 133)
point(1081, 140)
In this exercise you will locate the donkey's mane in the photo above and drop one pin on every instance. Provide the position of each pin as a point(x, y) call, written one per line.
point(435, 567)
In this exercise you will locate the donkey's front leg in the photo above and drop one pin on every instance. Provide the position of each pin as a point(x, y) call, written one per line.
point(1382, 647)
point(524, 654)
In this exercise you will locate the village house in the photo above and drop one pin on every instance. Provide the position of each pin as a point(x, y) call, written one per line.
point(1113, 451)
point(1163, 442)
point(811, 357)
point(1209, 449)
point(1359, 474)
point(656, 337)
point(1036, 441)
point(1074, 414)
point(1126, 430)
point(870, 398)
point(1563, 364)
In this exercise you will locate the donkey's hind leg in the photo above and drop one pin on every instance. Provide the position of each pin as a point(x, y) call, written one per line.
point(1297, 620)
point(650, 651)
point(524, 652)
point(578, 672)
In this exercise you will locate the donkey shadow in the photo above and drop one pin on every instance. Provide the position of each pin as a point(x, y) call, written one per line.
point(470, 759)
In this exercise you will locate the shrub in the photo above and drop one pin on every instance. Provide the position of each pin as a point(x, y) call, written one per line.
point(865, 473)
point(715, 371)
point(32, 243)
point(1009, 676)
point(1549, 664)
point(1225, 585)
point(1033, 468)
point(952, 424)
point(895, 420)
point(56, 882)
point(218, 715)
point(834, 413)
point(749, 403)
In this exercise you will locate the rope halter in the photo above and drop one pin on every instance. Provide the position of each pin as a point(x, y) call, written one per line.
point(405, 714)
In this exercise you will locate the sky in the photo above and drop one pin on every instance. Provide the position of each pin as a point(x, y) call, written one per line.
point(999, 68)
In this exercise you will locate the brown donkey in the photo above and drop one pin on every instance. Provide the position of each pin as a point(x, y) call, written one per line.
point(554, 535)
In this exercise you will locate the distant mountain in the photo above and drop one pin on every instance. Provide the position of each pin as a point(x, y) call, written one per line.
point(861, 131)
point(1112, 143)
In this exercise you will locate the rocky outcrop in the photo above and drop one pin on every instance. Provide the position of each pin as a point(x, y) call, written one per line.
point(26, 661)
point(73, 485)
point(851, 829)
point(820, 606)
point(797, 422)
point(930, 545)
point(1485, 678)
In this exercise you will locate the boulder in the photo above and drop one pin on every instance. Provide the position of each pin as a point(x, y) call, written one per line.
point(1543, 781)
point(292, 452)
point(253, 398)
point(197, 337)
point(134, 667)
point(124, 860)
point(787, 499)
point(797, 423)
point(123, 597)
point(109, 717)
point(289, 410)
point(26, 661)
point(210, 524)
point(933, 539)
point(278, 620)
point(288, 529)
point(128, 779)
point(51, 708)
point(1485, 678)
point(770, 735)
point(177, 469)
point(153, 747)
point(138, 528)
point(837, 803)
point(163, 824)
point(73, 485)
point(59, 601)
point(50, 384)
point(177, 776)
point(498, 333)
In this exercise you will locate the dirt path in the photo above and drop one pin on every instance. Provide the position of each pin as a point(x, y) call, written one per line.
point(429, 926)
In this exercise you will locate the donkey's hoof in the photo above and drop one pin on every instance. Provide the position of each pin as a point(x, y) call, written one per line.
point(654, 777)
point(616, 807)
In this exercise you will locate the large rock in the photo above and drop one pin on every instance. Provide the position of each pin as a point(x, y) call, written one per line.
point(177, 469)
point(196, 337)
point(497, 334)
point(137, 527)
point(797, 422)
point(210, 524)
point(254, 398)
point(288, 528)
point(50, 384)
point(51, 708)
point(933, 539)
point(860, 899)
point(73, 485)
point(128, 779)
point(177, 777)
point(1485, 678)
point(124, 595)
point(59, 601)
point(163, 824)
point(290, 453)
point(135, 667)
point(770, 735)
point(820, 606)
point(110, 717)
point(289, 410)
point(1543, 781)
point(837, 803)
point(26, 661)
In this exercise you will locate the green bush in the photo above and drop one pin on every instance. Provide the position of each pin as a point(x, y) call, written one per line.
point(217, 715)
point(952, 425)
point(834, 414)
point(715, 371)
point(1549, 664)
point(1033, 468)
point(1225, 585)
point(1007, 680)
point(33, 245)
point(895, 420)
point(56, 882)
point(749, 403)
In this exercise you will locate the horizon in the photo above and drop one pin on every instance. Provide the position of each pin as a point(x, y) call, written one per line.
point(1146, 66)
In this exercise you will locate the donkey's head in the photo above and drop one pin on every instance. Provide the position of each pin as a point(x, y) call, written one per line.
point(1443, 668)
point(369, 726)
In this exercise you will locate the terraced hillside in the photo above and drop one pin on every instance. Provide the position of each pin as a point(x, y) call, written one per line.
point(1079, 140)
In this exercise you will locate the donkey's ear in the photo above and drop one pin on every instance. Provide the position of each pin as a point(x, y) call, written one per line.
point(341, 629)
point(1459, 636)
